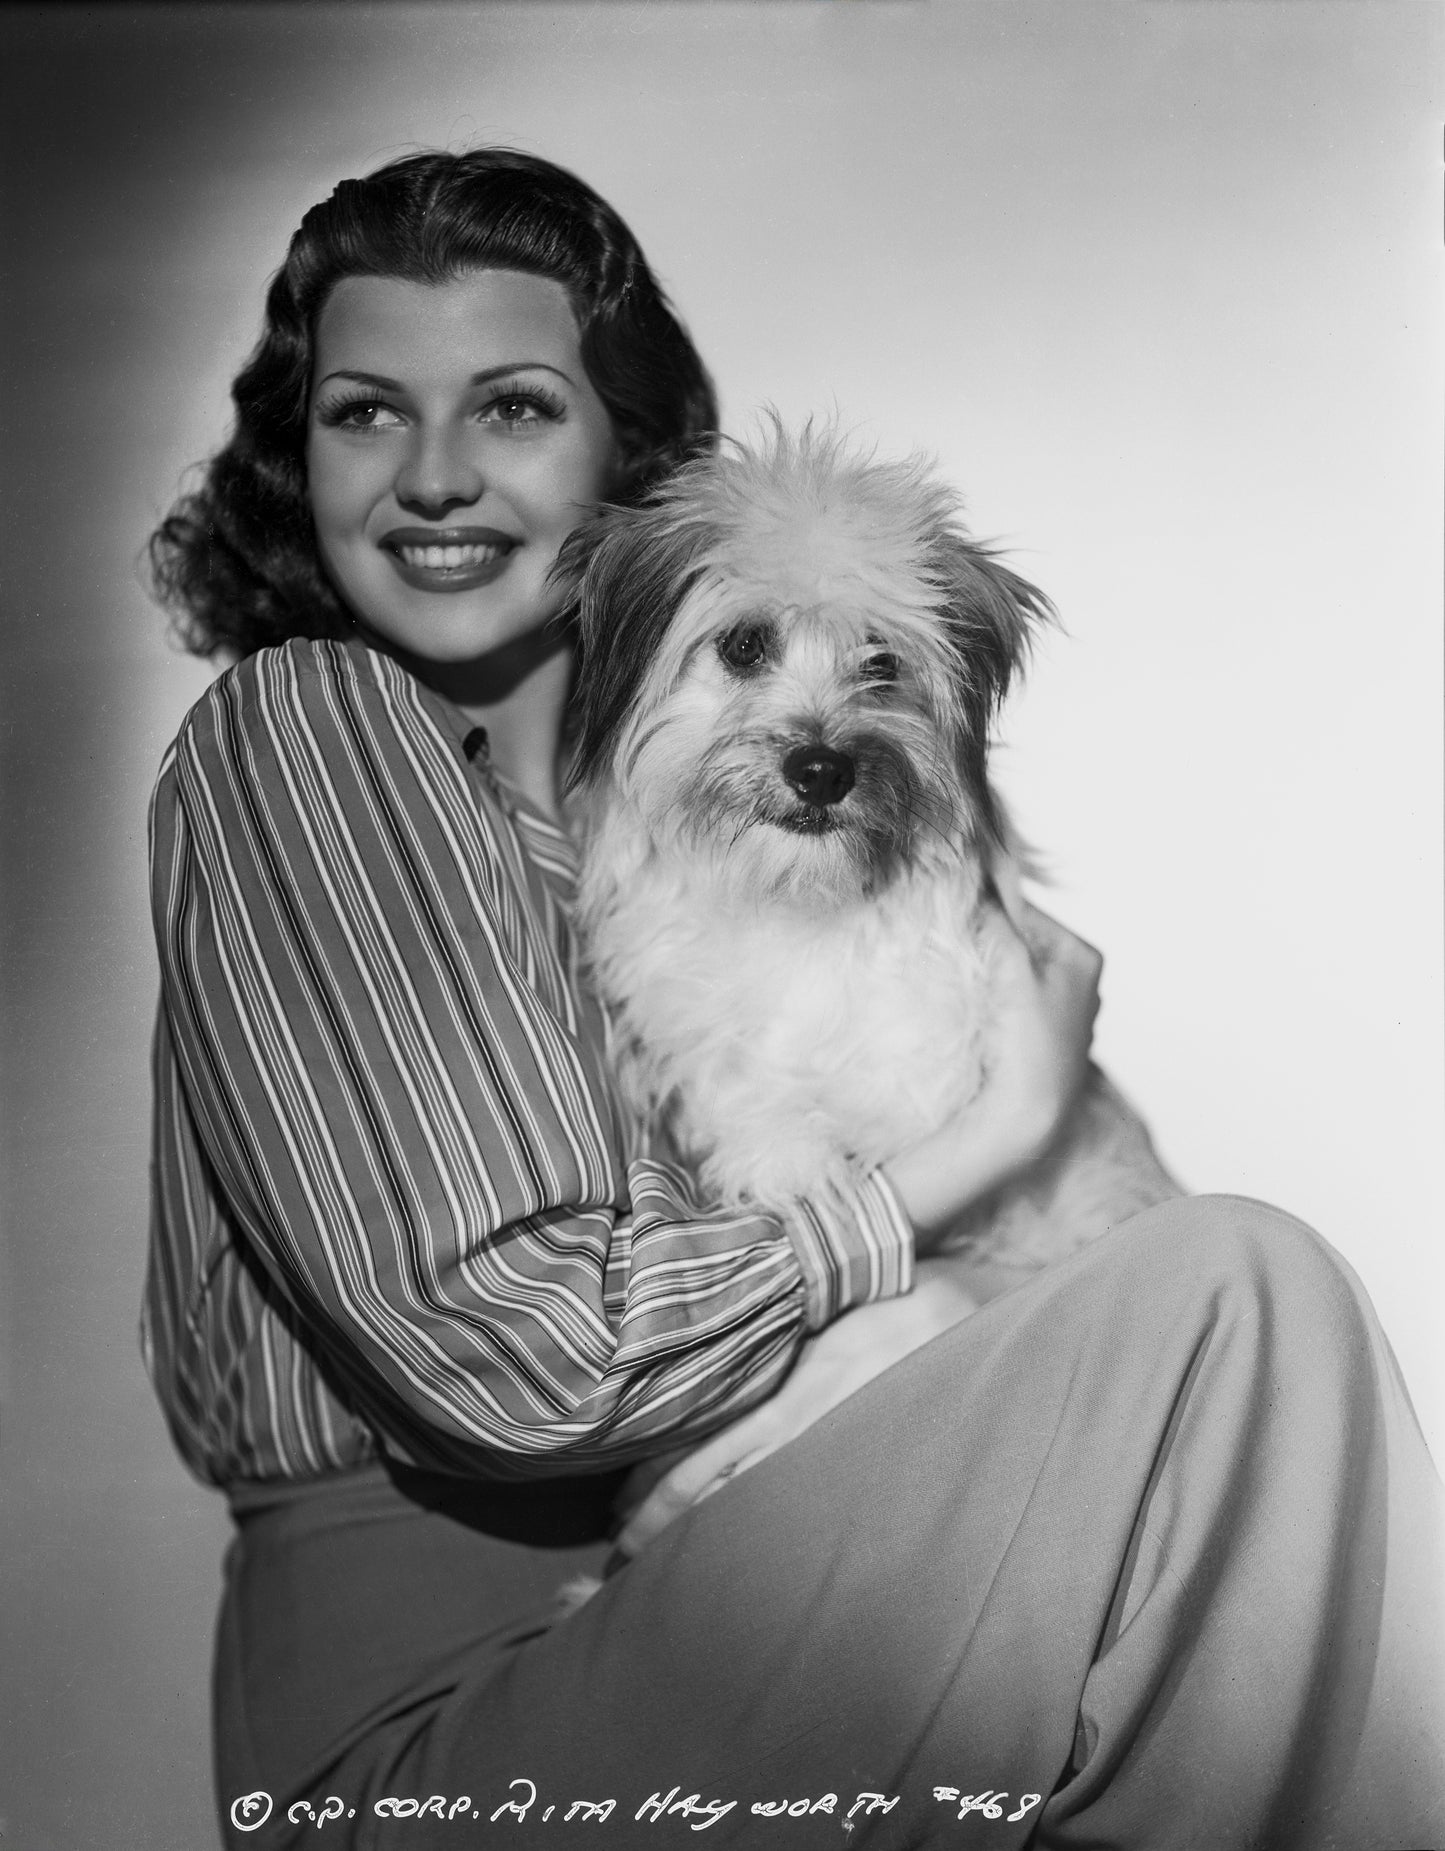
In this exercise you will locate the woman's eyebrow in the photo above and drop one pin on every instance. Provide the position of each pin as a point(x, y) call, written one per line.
point(518, 366)
point(484, 378)
point(362, 379)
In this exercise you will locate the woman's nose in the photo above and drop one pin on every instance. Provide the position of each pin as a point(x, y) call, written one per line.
point(439, 472)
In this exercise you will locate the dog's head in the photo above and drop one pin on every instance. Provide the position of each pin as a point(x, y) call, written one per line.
point(791, 655)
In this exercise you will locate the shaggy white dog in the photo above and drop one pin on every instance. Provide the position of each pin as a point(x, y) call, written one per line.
point(792, 656)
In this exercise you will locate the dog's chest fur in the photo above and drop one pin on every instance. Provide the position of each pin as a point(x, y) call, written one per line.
point(784, 1051)
point(786, 1046)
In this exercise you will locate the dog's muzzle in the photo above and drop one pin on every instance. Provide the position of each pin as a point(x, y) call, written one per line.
point(818, 774)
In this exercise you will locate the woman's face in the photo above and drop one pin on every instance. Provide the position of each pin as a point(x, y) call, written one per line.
point(454, 441)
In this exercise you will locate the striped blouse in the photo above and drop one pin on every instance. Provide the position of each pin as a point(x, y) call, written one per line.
point(397, 1205)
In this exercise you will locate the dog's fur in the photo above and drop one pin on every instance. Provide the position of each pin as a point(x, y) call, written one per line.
point(792, 656)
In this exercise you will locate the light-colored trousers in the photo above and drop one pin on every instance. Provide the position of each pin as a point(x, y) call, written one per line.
point(1145, 1554)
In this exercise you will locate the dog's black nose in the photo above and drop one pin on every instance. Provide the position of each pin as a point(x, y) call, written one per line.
point(819, 774)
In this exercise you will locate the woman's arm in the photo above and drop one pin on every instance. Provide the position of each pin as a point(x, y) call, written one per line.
point(1045, 997)
point(401, 1093)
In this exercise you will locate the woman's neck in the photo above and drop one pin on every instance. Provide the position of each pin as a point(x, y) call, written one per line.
point(519, 695)
point(524, 731)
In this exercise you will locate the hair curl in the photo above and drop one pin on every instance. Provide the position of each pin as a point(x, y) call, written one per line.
point(237, 561)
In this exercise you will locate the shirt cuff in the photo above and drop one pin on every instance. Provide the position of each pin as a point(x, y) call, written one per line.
point(852, 1249)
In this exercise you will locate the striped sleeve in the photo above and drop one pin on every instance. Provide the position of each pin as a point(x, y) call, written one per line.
point(400, 1092)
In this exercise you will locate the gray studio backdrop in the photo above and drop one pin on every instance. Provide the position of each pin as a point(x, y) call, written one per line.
point(1158, 283)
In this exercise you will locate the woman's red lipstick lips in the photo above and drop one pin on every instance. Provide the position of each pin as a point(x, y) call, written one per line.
point(448, 558)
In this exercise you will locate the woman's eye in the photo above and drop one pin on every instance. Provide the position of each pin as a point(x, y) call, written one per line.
point(514, 410)
point(881, 668)
point(519, 409)
point(360, 415)
point(745, 648)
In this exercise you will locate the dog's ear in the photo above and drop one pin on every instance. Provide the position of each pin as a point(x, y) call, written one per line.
point(991, 615)
point(628, 570)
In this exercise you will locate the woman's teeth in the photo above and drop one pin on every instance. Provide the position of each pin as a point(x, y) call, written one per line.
point(449, 558)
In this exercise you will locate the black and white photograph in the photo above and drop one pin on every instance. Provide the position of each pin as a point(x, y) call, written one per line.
point(724, 925)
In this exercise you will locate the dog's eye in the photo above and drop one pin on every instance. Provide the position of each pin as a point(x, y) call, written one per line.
point(746, 647)
point(881, 668)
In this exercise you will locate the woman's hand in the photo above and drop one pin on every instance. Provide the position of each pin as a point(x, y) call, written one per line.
point(1046, 997)
point(831, 1366)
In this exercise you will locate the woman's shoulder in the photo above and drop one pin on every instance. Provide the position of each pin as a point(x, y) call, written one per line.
point(307, 731)
point(290, 676)
point(303, 696)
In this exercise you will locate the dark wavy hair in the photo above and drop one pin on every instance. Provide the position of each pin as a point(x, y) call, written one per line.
point(236, 561)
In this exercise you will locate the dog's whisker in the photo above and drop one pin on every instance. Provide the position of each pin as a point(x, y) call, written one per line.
point(926, 817)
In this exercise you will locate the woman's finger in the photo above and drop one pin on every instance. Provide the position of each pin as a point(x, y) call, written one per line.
point(1008, 882)
point(703, 1471)
point(1051, 943)
point(1063, 970)
point(831, 1366)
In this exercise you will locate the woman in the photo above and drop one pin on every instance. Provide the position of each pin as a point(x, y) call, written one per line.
point(1136, 1553)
